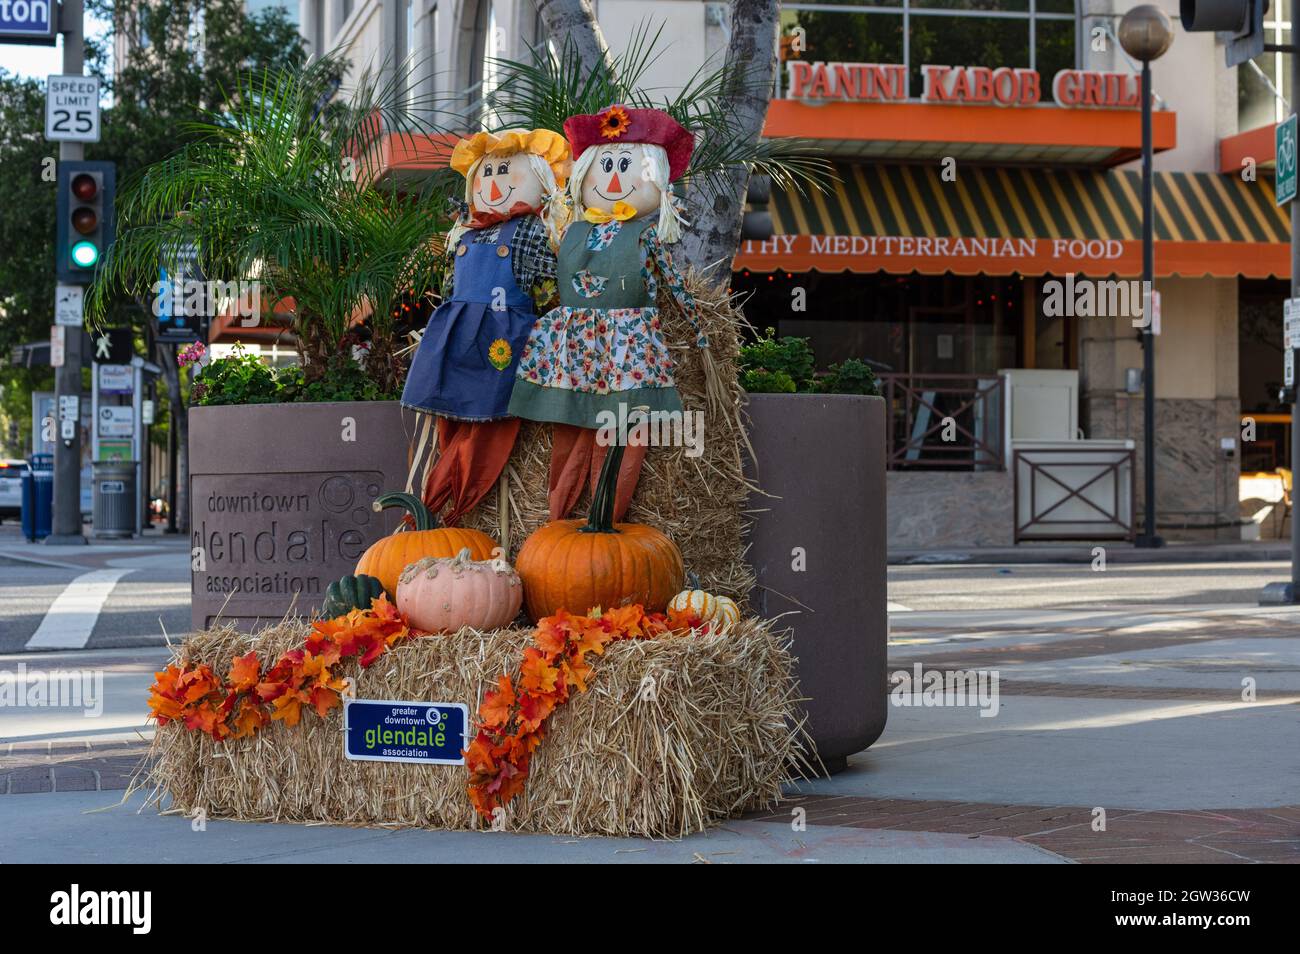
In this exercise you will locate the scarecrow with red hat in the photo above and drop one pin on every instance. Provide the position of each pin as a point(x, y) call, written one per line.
point(602, 350)
point(503, 275)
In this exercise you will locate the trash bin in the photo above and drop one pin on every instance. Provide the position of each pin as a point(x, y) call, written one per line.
point(38, 497)
point(114, 505)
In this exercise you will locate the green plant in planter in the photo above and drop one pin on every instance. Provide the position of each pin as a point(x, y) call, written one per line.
point(240, 378)
point(850, 377)
point(777, 365)
point(283, 187)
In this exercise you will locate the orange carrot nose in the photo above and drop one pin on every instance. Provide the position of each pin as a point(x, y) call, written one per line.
point(615, 187)
point(495, 193)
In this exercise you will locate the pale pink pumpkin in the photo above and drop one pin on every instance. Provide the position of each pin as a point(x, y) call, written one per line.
point(444, 594)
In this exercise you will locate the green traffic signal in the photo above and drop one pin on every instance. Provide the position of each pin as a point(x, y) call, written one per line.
point(85, 254)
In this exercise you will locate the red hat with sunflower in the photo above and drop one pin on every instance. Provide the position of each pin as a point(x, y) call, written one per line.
point(623, 124)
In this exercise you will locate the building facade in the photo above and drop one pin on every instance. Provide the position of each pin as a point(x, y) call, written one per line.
point(979, 242)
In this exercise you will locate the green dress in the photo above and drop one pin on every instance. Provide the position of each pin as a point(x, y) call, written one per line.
point(603, 346)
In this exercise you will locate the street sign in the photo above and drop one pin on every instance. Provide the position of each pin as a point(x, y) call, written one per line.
point(147, 411)
point(58, 346)
point(1288, 367)
point(388, 731)
point(1285, 144)
point(72, 109)
point(69, 407)
point(34, 22)
point(68, 301)
point(116, 421)
point(1291, 323)
point(115, 378)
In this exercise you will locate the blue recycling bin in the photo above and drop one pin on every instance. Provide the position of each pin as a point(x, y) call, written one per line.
point(38, 497)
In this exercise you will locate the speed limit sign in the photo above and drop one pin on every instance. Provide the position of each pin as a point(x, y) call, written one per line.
point(72, 109)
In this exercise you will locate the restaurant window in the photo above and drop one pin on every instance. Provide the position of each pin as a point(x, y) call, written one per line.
point(1256, 104)
point(1037, 34)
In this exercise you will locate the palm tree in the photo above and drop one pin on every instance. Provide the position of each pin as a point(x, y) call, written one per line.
point(282, 187)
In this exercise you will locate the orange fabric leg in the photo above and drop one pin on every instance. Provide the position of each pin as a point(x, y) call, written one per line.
point(629, 472)
point(442, 478)
point(481, 455)
point(570, 462)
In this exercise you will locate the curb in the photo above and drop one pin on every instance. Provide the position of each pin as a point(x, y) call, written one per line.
point(1124, 553)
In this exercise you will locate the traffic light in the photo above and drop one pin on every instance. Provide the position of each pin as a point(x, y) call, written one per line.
point(83, 218)
point(1240, 24)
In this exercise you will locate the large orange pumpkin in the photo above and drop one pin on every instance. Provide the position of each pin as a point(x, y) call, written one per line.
point(579, 564)
point(387, 558)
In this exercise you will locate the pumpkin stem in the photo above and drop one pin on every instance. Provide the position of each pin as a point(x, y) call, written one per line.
point(692, 580)
point(412, 504)
point(601, 517)
point(461, 559)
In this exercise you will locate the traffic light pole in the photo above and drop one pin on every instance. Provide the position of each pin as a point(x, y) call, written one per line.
point(67, 379)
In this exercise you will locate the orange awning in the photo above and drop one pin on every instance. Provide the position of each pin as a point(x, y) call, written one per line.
point(901, 219)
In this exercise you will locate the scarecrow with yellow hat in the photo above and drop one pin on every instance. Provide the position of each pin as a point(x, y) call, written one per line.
point(503, 275)
point(601, 354)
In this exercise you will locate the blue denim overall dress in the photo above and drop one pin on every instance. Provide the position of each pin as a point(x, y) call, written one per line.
point(465, 365)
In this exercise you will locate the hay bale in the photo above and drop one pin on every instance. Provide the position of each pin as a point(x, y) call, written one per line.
point(716, 738)
point(699, 502)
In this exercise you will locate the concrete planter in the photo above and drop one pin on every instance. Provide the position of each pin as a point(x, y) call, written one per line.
point(818, 548)
point(280, 502)
point(280, 507)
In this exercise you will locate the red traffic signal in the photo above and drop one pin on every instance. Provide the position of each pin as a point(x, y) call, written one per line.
point(84, 186)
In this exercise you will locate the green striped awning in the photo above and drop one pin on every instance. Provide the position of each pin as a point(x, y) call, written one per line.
point(914, 200)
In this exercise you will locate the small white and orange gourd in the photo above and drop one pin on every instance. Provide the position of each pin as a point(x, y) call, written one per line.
point(444, 594)
point(720, 612)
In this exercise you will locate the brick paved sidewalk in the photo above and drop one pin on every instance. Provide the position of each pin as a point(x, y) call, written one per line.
point(69, 766)
point(1228, 836)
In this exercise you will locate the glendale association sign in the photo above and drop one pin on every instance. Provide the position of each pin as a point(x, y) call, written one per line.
point(1004, 86)
point(29, 21)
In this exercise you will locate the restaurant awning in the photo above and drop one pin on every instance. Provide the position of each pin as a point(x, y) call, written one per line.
point(1004, 220)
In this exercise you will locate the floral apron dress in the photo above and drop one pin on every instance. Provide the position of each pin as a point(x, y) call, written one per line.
point(464, 367)
point(602, 346)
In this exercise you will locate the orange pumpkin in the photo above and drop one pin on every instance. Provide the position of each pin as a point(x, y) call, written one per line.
point(579, 564)
point(387, 558)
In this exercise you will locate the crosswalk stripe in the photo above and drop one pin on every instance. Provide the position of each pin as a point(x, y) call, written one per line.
point(71, 618)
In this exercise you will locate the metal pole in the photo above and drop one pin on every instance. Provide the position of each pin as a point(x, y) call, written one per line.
point(1295, 407)
point(66, 521)
point(1148, 537)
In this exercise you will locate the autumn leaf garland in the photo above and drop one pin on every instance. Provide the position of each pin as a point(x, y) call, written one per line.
point(249, 698)
point(512, 717)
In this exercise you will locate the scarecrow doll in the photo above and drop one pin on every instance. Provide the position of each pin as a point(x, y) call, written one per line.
point(602, 347)
point(502, 250)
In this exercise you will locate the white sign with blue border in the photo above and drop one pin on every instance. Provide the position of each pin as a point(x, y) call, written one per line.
point(29, 21)
point(386, 730)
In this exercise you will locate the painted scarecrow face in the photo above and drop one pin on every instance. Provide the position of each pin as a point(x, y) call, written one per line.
point(621, 172)
point(503, 184)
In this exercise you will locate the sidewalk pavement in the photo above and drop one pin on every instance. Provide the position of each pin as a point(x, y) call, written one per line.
point(154, 546)
point(1116, 552)
point(1115, 737)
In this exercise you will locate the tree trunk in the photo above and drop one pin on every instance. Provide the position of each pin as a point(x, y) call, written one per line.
point(709, 243)
point(575, 20)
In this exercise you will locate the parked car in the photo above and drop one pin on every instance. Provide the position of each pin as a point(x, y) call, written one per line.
point(11, 487)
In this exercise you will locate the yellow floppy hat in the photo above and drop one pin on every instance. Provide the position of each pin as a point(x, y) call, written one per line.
point(550, 145)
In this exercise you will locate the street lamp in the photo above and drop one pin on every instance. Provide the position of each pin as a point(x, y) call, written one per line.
point(1145, 33)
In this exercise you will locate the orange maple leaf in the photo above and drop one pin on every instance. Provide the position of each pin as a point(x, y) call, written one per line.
point(496, 706)
point(244, 671)
point(536, 674)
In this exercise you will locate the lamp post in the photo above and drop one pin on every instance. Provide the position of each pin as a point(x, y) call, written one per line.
point(1145, 33)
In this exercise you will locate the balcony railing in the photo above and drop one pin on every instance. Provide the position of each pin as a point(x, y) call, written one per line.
point(944, 421)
